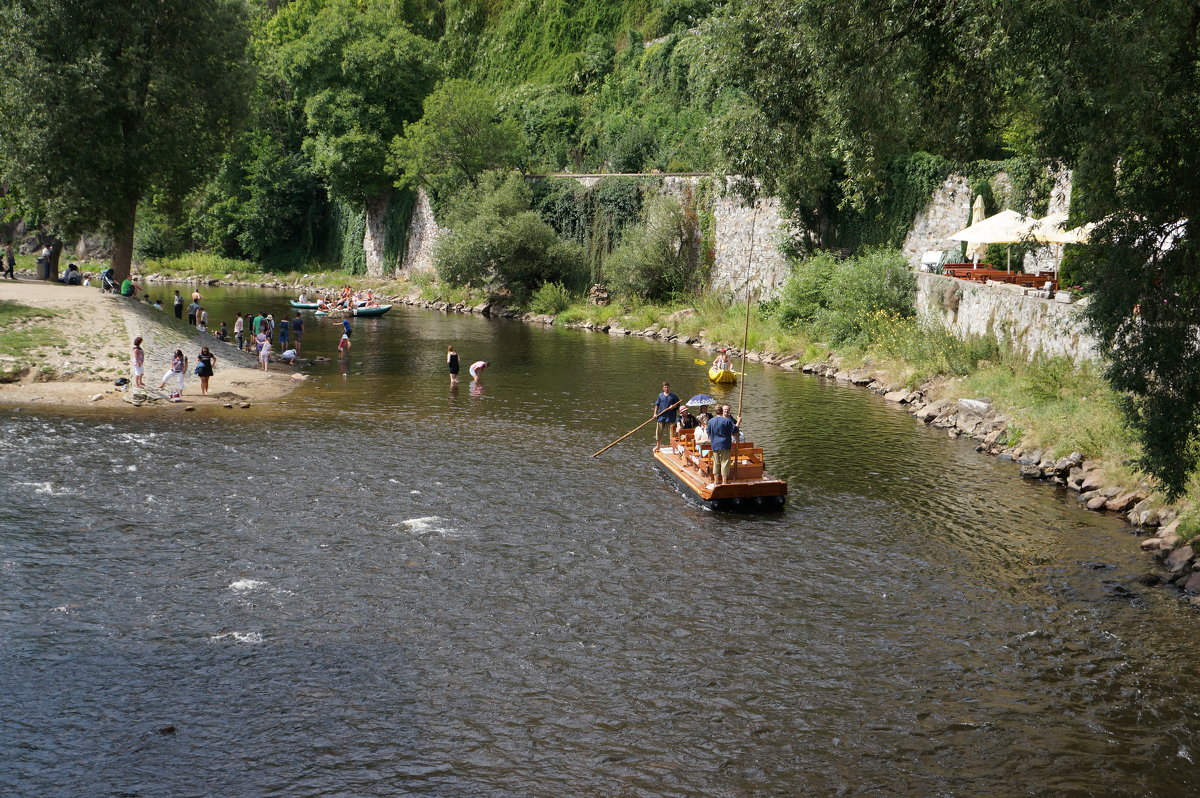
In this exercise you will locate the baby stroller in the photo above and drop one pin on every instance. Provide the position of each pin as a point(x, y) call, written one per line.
point(107, 284)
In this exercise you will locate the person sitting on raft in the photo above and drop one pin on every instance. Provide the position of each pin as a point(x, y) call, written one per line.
point(722, 362)
point(686, 419)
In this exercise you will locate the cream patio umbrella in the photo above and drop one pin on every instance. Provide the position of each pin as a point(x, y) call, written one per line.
point(1006, 227)
point(977, 250)
point(1051, 229)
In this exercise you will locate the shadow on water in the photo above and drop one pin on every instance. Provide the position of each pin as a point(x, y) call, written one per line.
point(388, 585)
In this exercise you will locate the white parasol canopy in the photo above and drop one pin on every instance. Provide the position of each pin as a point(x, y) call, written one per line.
point(1051, 230)
point(977, 251)
point(1006, 227)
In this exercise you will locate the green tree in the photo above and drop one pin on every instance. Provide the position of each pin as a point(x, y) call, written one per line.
point(461, 135)
point(362, 75)
point(106, 104)
point(660, 260)
point(832, 89)
point(494, 236)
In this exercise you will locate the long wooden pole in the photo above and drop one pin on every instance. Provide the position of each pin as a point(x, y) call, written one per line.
point(746, 331)
point(657, 413)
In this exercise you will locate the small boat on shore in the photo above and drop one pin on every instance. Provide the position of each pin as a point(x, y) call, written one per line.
point(749, 487)
point(304, 305)
point(377, 310)
point(722, 376)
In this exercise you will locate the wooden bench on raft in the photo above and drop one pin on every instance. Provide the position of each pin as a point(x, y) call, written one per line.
point(747, 460)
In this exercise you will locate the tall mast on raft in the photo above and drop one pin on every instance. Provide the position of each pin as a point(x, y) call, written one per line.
point(746, 329)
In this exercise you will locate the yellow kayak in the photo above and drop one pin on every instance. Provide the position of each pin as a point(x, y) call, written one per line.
point(722, 376)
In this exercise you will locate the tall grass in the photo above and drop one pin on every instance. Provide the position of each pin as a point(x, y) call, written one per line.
point(201, 264)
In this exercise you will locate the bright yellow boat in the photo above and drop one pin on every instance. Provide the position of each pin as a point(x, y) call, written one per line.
point(722, 376)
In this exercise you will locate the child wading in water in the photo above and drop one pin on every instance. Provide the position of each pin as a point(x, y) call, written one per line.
point(452, 364)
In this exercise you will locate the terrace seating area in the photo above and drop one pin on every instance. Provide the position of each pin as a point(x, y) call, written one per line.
point(984, 272)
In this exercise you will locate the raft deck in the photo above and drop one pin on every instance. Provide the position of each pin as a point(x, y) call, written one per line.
point(749, 487)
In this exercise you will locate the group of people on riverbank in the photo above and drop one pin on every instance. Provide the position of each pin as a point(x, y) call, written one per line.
point(258, 333)
point(176, 372)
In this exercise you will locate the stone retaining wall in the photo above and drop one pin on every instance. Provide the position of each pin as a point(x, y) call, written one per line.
point(747, 248)
point(1029, 324)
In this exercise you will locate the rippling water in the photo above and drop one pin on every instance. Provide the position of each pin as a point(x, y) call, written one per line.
point(384, 587)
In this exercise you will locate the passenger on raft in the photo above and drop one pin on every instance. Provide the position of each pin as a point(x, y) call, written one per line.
point(722, 362)
point(686, 419)
point(722, 432)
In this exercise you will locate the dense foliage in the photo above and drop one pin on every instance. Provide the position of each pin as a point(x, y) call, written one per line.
point(460, 135)
point(105, 105)
point(850, 111)
point(836, 299)
point(495, 238)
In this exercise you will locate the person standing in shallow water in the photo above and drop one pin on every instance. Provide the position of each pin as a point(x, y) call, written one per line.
point(452, 364)
point(178, 305)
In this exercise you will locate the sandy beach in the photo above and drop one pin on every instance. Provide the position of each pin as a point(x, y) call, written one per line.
point(96, 333)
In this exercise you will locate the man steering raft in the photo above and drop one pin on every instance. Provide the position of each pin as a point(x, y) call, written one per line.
point(665, 404)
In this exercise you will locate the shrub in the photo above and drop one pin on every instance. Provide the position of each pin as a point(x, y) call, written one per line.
point(552, 298)
point(495, 236)
point(660, 260)
point(835, 298)
point(203, 264)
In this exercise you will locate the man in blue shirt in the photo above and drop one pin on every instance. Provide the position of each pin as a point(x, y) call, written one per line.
point(665, 405)
point(722, 430)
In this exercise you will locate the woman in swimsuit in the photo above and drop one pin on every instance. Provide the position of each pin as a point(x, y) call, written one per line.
point(452, 364)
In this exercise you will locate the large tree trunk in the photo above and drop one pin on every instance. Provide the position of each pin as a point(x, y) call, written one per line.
point(375, 233)
point(122, 256)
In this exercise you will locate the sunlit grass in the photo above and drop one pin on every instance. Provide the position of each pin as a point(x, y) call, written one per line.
point(24, 329)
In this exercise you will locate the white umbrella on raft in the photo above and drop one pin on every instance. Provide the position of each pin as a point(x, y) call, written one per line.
point(1006, 227)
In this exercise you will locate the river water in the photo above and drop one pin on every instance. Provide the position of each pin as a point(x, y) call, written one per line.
point(387, 587)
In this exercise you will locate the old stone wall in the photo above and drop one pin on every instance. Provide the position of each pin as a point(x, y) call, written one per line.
point(949, 210)
point(747, 247)
point(1027, 323)
point(423, 233)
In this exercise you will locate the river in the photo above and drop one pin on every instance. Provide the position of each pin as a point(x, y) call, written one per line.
point(384, 586)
